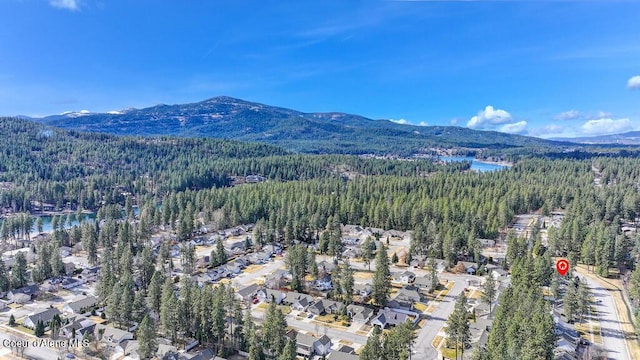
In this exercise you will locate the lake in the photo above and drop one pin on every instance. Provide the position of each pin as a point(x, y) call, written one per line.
point(476, 165)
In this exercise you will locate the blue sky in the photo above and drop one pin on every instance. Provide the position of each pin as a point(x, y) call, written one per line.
point(545, 68)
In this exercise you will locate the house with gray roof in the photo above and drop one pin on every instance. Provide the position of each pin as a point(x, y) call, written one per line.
point(45, 316)
point(81, 306)
point(387, 318)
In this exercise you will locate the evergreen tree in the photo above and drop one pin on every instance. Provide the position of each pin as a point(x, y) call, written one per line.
point(12, 320)
point(169, 310)
point(346, 282)
point(290, 351)
point(40, 329)
point(433, 275)
point(19, 271)
point(146, 335)
point(273, 330)
point(5, 282)
point(368, 247)
point(489, 290)
point(457, 329)
point(381, 286)
point(373, 348)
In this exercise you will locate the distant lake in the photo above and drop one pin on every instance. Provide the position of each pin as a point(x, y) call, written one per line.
point(476, 165)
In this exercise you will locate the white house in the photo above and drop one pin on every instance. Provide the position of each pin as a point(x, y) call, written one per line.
point(45, 316)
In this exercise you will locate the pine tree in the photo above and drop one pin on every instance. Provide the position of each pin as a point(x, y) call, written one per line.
point(39, 331)
point(367, 251)
point(457, 329)
point(147, 339)
point(489, 291)
point(19, 271)
point(373, 348)
point(289, 352)
point(433, 275)
point(5, 282)
point(155, 291)
point(168, 309)
point(381, 287)
point(55, 325)
point(274, 329)
point(12, 320)
point(346, 282)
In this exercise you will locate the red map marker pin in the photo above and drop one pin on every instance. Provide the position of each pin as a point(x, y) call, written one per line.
point(562, 266)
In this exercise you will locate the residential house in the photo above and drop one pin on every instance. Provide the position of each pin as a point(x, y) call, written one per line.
point(77, 327)
point(70, 283)
point(405, 298)
point(387, 318)
point(203, 262)
point(112, 336)
point(350, 240)
point(364, 290)
point(423, 283)
point(247, 293)
point(65, 251)
point(31, 290)
point(308, 346)
point(352, 253)
point(339, 355)
point(130, 349)
point(405, 277)
point(359, 313)
point(90, 274)
point(480, 331)
point(298, 301)
point(278, 279)
point(498, 273)
point(324, 283)
point(252, 179)
point(470, 267)
point(418, 261)
point(81, 306)
point(325, 306)
point(267, 295)
point(326, 267)
point(45, 316)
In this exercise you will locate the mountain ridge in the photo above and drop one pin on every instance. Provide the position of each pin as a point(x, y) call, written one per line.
point(314, 132)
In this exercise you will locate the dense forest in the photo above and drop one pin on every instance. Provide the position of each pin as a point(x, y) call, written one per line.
point(47, 165)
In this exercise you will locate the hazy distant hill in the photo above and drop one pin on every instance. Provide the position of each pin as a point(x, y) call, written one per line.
point(628, 138)
point(226, 117)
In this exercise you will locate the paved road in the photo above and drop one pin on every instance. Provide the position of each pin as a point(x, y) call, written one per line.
point(423, 347)
point(612, 335)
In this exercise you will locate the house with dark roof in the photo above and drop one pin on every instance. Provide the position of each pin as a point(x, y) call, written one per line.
point(267, 295)
point(248, 292)
point(77, 327)
point(308, 346)
point(405, 298)
point(44, 316)
point(387, 318)
point(298, 301)
point(340, 355)
point(112, 336)
point(32, 291)
point(326, 266)
point(325, 306)
point(359, 313)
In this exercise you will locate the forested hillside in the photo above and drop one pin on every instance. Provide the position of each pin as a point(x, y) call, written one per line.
point(44, 164)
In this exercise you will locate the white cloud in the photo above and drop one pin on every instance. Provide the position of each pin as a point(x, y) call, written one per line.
point(399, 121)
point(423, 123)
point(519, 127)
point(634, 82)
point(73, 5)
point(489, 118)
point(454, 121)
point(606, 126)
point(568, 115)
